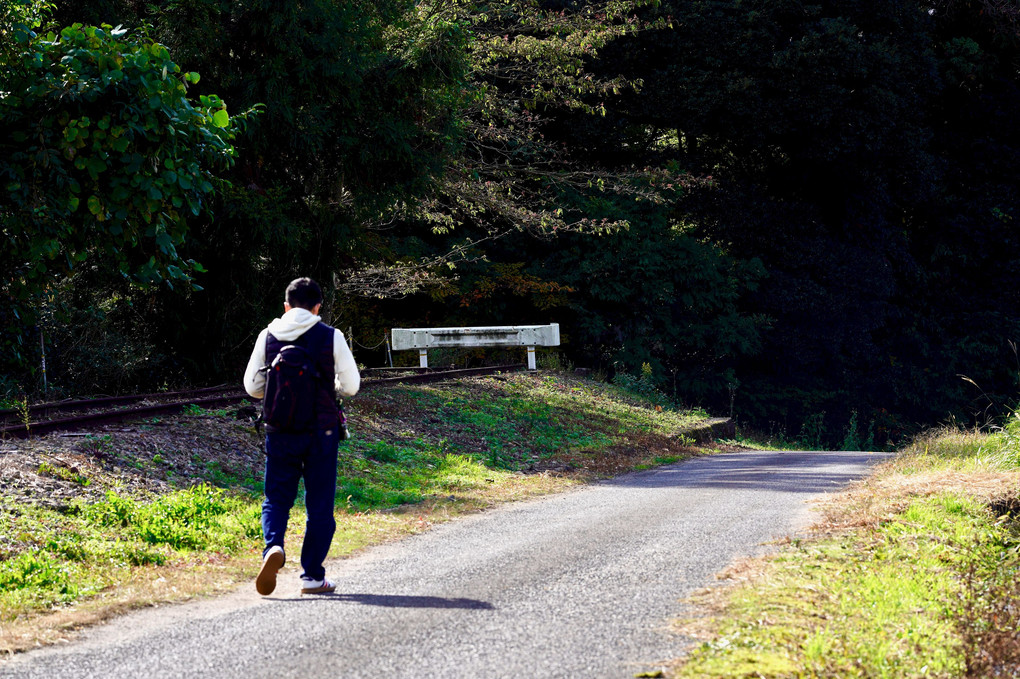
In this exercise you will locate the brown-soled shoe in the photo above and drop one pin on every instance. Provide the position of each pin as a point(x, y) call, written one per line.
point(272, 562)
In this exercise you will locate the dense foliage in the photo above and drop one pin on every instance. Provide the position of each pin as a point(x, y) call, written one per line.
point(836, 133)
point(803, 212)
point(103, 161)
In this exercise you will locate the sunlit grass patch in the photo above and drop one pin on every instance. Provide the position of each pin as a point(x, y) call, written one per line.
point(517, 423)
point(879, 604)
point(60, 557)
point(913, 573)
point(197, 518)
point(381, 474)
point(62, 472)
point(965, 450)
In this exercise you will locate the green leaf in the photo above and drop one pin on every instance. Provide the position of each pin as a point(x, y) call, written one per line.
point(95, 205)
point(96, 166)
point(164, 242)
point(221, 118)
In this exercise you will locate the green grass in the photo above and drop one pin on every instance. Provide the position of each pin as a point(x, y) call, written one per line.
point(925, 586)
point(490, 432)
point(408, 475)
point(998, 450)
point(883, 604)
point(62, 472)
point(192, 410)
point(774, 439)
point(223, 476)
point(63, 556)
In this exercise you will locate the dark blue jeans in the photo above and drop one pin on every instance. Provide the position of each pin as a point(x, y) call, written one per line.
point(289, 458)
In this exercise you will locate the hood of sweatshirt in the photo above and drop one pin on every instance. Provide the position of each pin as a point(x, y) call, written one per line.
point(293, 324)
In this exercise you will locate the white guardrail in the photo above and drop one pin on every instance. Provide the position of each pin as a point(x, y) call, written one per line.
point(529, 336)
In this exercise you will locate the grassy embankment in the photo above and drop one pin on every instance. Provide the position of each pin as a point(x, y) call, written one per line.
point(170, 509)
point(914, 573)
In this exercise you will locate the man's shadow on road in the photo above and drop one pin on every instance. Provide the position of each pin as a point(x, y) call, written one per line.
point(399, 601)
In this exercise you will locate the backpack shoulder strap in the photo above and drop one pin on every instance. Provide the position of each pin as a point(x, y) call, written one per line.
point(266, 358)
point(316, 341)
point(328, 335)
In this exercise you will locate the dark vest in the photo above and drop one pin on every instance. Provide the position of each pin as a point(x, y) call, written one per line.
point(318, 342)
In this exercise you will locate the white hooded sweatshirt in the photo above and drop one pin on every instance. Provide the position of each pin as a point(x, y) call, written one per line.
point(289, 327)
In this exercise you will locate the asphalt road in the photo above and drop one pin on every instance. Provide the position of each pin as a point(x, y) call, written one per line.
point(582, 584)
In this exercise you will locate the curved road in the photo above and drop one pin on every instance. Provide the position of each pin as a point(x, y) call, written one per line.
point(582, 584)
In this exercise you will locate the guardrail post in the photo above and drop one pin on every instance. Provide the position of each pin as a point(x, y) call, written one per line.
point(531, 359)
point(423, 358)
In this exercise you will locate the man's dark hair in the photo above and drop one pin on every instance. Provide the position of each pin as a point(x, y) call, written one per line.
point(304, 293)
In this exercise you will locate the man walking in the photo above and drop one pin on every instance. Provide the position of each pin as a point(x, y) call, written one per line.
point(311, 451)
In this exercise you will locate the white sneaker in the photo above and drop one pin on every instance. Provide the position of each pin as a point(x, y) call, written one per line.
point(323, 586)
point(272, 562)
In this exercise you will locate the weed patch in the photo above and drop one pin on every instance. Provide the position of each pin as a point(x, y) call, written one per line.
point(64, 556)
point(62, 472)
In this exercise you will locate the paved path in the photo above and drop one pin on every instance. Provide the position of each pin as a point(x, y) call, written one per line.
point(582, 584)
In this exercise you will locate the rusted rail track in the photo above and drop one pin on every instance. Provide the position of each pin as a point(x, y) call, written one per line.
point(107, 401)
point(210, 397)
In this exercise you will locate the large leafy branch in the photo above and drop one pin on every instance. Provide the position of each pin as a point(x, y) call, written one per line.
point(529, 67)
point(104, 156)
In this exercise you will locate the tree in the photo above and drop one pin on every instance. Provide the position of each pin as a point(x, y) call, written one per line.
point(361, 108)
point(866, 154)
point(103, 162)
point(656, 294)
point(528, 222)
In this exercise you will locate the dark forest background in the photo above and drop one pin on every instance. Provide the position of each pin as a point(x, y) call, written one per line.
point(803, 213)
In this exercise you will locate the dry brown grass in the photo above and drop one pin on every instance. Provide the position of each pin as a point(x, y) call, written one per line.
point(890, 490)
point(709, 603)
